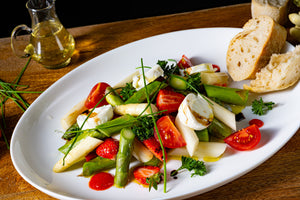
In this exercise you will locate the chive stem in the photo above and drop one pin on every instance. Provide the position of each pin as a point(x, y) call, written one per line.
point(156, 129)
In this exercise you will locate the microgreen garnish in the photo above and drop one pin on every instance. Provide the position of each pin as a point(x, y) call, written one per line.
point(156, 128)
point(259, 107)
point(191, 164)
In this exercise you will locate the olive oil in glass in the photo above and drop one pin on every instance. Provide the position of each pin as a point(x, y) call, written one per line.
point(52, 45)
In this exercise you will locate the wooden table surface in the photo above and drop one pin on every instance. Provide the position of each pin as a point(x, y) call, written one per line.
point(277, 178)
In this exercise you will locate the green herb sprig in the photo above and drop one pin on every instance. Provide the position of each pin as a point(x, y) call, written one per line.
point(191, 164)
point(259, 107)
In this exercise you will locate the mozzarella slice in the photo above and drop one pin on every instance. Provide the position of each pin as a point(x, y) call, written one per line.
point(204, 67)
point(151, 75)
point(195, 112)
point(99, 116)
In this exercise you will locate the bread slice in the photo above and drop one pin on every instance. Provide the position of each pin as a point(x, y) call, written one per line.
point(282, 71)
point(251, 49)
point(276, 9)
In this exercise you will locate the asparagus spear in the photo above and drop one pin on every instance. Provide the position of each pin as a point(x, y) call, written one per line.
point(116, 125)
point(96, 165)
point(218, 129)
point(123, 157)
point(140, 96)
point(228, 95)
point(112, 98)
point(92, 133)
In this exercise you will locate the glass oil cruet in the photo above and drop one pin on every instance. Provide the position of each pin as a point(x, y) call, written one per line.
point(50, 44)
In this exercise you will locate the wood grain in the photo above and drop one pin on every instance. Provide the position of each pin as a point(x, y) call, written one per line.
point(277, 178)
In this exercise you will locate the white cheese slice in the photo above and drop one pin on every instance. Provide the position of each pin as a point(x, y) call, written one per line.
point(150, 75)
point(195, 112)
point(204, 67)
point(99, 116)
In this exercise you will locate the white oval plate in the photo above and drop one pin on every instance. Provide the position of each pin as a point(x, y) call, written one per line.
point(35, 140)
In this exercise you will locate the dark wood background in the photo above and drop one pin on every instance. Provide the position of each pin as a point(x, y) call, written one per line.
point(88, 12)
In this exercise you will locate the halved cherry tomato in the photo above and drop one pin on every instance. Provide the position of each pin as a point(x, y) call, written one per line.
point(170, 136)
point(168, 100)
point(96, 94)
point(245, 139)
point(184, 62)
point(216, 67)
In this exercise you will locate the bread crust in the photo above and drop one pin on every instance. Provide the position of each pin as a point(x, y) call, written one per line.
point(251, 49)
point(277, 10)
point(282, 71)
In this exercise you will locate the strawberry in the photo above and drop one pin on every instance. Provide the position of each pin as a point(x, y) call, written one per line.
point(141, 173)
point(108, 149)
point(90, 156)
point(153, 145)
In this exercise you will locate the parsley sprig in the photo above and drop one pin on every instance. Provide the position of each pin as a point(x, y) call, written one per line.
point(259, 107)
point(191, 164)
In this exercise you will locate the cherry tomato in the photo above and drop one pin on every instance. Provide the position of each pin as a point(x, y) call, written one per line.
point(184, 62)
point(96, 94)
point(170, 136)
point(245, 139)
point(169, 100)
point(216, 67)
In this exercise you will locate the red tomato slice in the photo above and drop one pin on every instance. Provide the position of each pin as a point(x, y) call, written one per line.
point(168, 100)
point(245, 139)
point(96, 94)
point(170, 136)
point(216, 67)
point(184, 62)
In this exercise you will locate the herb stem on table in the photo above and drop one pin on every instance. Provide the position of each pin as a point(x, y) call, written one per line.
point(9, 91)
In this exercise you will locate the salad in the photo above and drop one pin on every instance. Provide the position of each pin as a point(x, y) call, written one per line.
point(172, 110)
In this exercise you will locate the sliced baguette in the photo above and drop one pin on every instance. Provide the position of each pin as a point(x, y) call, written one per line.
point(251, 49)
point(282, 71)
point(276, 9)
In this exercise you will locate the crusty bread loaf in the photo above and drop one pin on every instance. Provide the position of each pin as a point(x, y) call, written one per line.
point(251, 49)
point(282, 71)
point(276, 9)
